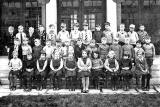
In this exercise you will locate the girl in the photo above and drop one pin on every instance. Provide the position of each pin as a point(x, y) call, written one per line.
point(15, 66)
point(125, 69)
point(97, 66)
point(56, 66)
point(84, 64)
point(29, 67)
point(70, 65)
point(112, 67)
point(41, 70)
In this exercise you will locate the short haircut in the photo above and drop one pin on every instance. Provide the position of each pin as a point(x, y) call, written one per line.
point(138, 42)
point(107, 23)
point(20, 26)
point(51, 25)
point(92, 54)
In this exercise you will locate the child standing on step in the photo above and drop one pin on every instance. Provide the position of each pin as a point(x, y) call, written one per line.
point(15, 66)
point(70, 66)
point(84, 64)
point(111, 65)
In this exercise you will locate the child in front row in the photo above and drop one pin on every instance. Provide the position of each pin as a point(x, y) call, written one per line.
point(125, 65)
point(97, 70)
point(111, 65)
point(70, 66)
point(142, 72)
point(41, 71)
point(29, 67)
point(15, 66)
point(56, 65)
point(84, 64)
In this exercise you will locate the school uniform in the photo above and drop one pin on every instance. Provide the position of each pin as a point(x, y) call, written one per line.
point(133, 38)
point(109, 36)
point(142, 35)
point(97, 35)
point(86, 37)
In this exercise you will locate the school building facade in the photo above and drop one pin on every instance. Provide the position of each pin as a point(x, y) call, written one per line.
point(45, 12)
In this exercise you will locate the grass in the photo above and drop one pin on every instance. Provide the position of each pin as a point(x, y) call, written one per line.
point(116, 100)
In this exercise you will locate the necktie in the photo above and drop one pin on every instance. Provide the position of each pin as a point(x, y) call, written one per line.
point(86, 38)
point(21, 37)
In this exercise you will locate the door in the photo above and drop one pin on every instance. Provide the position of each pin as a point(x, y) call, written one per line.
point(91, 11)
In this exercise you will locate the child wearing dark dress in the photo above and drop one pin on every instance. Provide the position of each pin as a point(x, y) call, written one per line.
point(56, 65)
point(84, 64)
point(29, 67)
point(97, 67)
point(111, 65)
point(125, 65)
point(70, 66)
point(41, 71)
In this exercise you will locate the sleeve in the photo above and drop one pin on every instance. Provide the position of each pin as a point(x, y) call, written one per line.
point(117, 65)
point(89, 63)
point(153, 50)
point(137, 38)
point(20, 64)
point(106, 64)
point(79, 64)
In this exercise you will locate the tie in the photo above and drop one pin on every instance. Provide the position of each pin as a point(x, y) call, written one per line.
point(86, 37)
point(21, 37)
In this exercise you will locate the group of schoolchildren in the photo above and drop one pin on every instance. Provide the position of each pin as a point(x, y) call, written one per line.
point(98, 57)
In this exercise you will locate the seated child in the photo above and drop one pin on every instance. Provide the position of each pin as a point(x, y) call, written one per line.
point(142, 72)
point(70, 66)
point(111, 65)
point(125, 65)
point(15, 66)
point(97, 67)
point(29, 67)
point(56, 65)
point(41, 71)
point(84, 64)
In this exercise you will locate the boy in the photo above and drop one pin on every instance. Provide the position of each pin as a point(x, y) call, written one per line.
point(16, 47)
point(52, 35)
point(92, 47)
point(138, 48)
point(142, 33)
point(149, 50)
point(132, 35)
point(103, 49)
point(127, 48)
point(98, 34)
point(63, 35)
point(75, 33)
point(21, 35)
point(86, 34)
point(42, 34)
point(37, 49)
point(116, 48)
point(108, 33)
point(142, 71)
point(15, 66)
point(121, 34)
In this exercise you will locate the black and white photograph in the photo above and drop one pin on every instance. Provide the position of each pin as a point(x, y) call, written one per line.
point(80, 53)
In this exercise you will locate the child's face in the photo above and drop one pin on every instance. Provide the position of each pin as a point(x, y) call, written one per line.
point(58, 44)
point(43, 56)
point(29, 57)
point(37, 42)
point(85, 27)
point(48, 43)
point(142, 28)
point(92, 44)
point(15, 55)
point(111, 55)
point(127, 41)
point(147, 40)
point(56, 55)
point(67, 43)
point(71, 50)
point(15, 42)
point(131, 28)
point(20, 30)
point(122, 27)
point(115, 42)
point(84, 54)
point(138, 45)
point(125, 57)
point(140, 56)
point(10, 29)
point(98, 28)
point(52, 28)
point(31, 30)
point(95, 55)
point(107, 27)
point(70, 56)
point(103, 41)
point(63, 28)
point(79, 42)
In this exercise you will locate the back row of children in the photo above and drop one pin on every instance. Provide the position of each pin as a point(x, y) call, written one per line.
point(80, 54)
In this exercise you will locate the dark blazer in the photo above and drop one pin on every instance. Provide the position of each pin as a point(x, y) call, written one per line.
point(9, 39)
